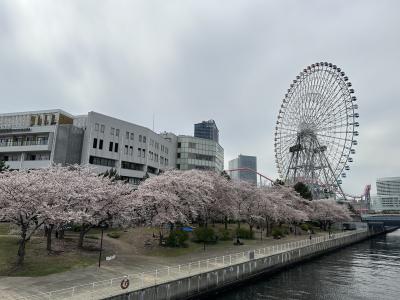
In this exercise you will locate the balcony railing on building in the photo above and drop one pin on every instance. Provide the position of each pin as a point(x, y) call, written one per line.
point(24, 143)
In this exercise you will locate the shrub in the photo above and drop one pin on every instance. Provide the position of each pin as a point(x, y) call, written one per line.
point(203, 234)
point(304, 227)
point(177, 238)
point(224, 235)
point(76, 228)
point(114, 235)
point(277, 233)
point(244, 233)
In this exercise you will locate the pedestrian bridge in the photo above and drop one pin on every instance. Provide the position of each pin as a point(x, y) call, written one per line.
point(384, 219)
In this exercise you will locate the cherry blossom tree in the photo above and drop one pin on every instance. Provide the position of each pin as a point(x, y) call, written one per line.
point(248, 204)
point(174, 197)
point(328, 211)
point(95, 200)
point(224, 198)
point(23, 202)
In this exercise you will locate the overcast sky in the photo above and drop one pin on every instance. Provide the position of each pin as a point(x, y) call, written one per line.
point(187, 61)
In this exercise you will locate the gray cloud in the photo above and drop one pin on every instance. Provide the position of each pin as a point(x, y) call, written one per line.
point(186, 61)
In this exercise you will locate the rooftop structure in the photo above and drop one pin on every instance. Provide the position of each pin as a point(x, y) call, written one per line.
point(207, 130)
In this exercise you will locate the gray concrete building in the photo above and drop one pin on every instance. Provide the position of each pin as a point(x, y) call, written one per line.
point(30, 140)
point(244, 162)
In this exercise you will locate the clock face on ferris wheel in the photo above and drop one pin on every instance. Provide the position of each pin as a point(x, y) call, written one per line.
point(316, 128)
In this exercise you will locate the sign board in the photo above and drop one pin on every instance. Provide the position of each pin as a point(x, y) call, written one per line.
point(111, 257)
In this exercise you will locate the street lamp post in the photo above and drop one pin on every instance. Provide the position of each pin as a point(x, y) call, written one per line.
point(102, 226)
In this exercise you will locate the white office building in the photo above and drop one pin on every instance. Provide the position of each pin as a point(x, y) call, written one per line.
point(132, 150)
point(39, 139)
point(388, 195)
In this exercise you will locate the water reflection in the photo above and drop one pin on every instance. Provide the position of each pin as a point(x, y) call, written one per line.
point(368, 270)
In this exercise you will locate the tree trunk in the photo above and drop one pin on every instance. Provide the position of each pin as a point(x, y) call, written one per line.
point(49, 231)
point(226, 222)
point(21, 248)
point(238, 223)
point(160, 238)
point(84, 229)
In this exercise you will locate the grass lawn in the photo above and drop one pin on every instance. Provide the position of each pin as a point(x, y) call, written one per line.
point(37, 261)
point(4, 228)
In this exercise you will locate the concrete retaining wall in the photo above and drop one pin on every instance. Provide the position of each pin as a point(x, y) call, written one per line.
point(212, 281)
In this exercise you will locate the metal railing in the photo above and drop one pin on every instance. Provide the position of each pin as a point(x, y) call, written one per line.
point(109, 287)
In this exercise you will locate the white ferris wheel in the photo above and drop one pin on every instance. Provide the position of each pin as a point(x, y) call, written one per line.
point(316, 129)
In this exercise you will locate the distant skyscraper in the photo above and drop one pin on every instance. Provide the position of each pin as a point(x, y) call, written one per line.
point(244, 161)
point(207, 130)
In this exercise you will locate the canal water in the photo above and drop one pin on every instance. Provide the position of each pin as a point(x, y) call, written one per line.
point(367, 270)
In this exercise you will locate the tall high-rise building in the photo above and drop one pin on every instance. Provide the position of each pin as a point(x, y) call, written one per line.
point(207, 130)
point(244, 162)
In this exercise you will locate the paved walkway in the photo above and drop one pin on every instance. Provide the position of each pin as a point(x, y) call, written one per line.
point(134, 266)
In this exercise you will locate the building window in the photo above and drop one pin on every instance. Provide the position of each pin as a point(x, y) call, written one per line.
point(166, 150)
point(101, 144)
point(179, 145)
point(117, 132)
point(131, 150)
point(116, 147)
point(131, 166)
point(140, 138)
point(126, 150)
point(112, 130)
point(94, 143)
point(139, 152)
point(143, 153)
point(96, 127)
point(110, 146)
point(94, 160)
point(132, 136)
point(178, 155)
point(192, 145)
point(144, 139)
point(127, 135)
point(102, 128)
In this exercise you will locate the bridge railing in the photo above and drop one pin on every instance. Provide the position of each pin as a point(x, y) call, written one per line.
point(112, 286)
